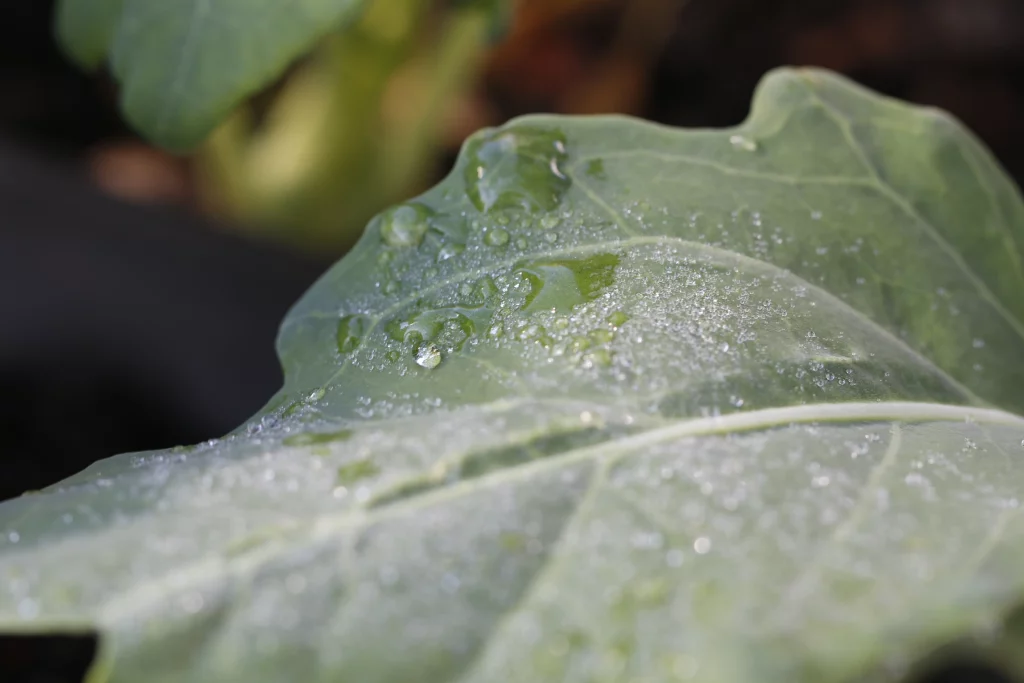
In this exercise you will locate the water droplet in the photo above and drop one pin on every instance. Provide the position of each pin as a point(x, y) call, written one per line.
point(450, 251)
point(356, 470)
point(743, 143)
point(723, 347)
point(521, 243)
point(598, 358)
point(549, 221)
point(351, 330)
point(578, 344)
point(601, 336)
point(452, 325)
point(815, 215)
point(496, 330)
point(551, 237)
point(978, 343)
point(516, 167)
point(496, 237)
point(617, 319)
point(561, 284)
point(428, 356)
point(392, 287)
point(530, 332)
point(14, 537)
point(702, 545)
point(404, 225)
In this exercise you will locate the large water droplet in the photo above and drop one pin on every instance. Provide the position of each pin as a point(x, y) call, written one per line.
point(496, 237)
point(404, 225)
point(428, 356)
point(351, 330)
point(560, 284)
point(454, 325)
point(518, 167)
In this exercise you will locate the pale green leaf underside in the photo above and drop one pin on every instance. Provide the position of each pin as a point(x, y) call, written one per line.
point(614, 402)
point(184, 64)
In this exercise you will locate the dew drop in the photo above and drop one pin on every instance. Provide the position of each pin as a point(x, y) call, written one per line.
point(578, 344)
point(598, 358)
point(743, 143)
point(549, 221)
point(617, 319)
point(978, 343)
point(496, 237)
point(428, 356)
point(516, 167)
point(405, 225)
point(351, 329)
point(450, 251)
point(702, 545)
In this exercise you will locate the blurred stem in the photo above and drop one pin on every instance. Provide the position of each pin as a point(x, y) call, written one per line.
point(442, 78)
point(353, 130)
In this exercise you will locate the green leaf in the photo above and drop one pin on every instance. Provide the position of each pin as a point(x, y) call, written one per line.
point(613, 402)
point(183, 65)
point(86, 27)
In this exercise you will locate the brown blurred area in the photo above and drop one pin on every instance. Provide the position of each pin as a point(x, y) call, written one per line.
point(687, 63)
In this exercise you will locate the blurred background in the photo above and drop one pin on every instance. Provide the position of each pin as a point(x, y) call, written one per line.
point(140, 292)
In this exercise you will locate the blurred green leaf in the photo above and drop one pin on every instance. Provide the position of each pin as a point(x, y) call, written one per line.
point(613, 402)
point(86, 27)
point(184, 64)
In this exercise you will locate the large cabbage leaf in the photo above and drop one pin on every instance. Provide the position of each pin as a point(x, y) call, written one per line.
point(613, 402)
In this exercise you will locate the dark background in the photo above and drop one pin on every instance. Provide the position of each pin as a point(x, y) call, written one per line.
point(130, 320)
